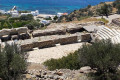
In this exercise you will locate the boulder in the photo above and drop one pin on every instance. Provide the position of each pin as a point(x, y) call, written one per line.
point(85, 69)
point(59, 73)
point(28, 76)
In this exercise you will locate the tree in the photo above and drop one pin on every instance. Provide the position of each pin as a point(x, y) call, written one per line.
point(89, 6)
point(26, 17)
point(103, 55)
point(118, 7)
point(12, 62)
point(105, 10)
point(116, 4)
point(33, 25)
point(55, 18)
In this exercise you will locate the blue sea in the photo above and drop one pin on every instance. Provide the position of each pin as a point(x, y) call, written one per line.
point(48, 6)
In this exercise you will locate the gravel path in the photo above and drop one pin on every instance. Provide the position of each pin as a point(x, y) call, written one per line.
point(41, 55)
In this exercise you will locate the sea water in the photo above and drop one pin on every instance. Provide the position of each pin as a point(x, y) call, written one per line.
point(48, 6)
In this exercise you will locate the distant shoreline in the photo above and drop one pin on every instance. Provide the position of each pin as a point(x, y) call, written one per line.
point(49, 6)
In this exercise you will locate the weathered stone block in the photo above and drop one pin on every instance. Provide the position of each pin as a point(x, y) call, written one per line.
point(68, 40)
point(85, 37)
point(22, 30)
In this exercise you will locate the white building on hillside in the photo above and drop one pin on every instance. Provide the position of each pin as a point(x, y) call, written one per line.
point(61, 14)
point(35, 13)
point(24, 14)
point(14, 13)
point(45, 21)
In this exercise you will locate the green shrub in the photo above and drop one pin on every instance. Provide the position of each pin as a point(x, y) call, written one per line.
point(104, 56)
point(70, 62)
point(28, 17)
point(19, 24)
point(105, 10)
point(104, 20)
point(89, 6)
point(33, 25)
point(55, 18)
point(12, 62)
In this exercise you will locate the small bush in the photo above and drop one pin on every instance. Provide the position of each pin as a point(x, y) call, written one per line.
point(70, 62)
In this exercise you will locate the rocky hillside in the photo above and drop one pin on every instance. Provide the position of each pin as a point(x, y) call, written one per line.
point(87, 12)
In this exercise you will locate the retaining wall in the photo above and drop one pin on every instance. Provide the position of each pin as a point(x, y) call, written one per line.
point(48, 43)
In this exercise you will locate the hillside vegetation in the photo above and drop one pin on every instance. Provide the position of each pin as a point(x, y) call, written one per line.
point(102, 9)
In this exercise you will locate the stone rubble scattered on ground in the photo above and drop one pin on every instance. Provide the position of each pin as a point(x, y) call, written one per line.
point(58, 74)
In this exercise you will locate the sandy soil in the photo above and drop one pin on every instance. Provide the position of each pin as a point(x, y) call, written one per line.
point(41, 55)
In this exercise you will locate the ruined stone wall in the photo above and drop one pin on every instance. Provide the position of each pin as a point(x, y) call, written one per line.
point(48, 43)
point(57, 31)
point(16, 33)
point(49, 32)
point(27, 47)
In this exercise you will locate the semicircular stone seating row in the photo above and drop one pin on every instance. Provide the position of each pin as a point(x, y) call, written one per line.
point(107, 33)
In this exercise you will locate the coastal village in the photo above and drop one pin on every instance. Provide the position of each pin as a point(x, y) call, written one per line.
point(58, 40)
